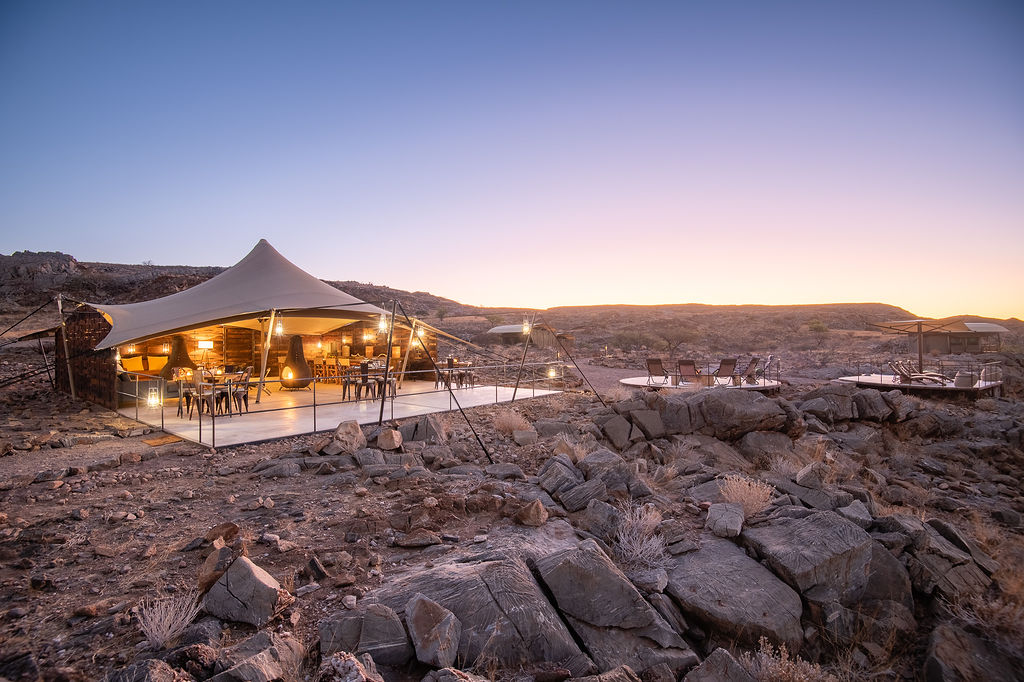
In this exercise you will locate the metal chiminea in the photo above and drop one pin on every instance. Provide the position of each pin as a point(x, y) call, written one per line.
point(178, 358)
point(296, 372)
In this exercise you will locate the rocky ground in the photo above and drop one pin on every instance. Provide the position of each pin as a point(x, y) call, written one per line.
point(660, 537)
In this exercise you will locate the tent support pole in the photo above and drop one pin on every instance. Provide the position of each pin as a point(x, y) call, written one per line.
point(46, 363)
point(266, 354)
point(408, 347)
point(522, 363)
point(450, 392)
point(569, 355)
point(64, 340)
point(387, 363)
point(920, 348)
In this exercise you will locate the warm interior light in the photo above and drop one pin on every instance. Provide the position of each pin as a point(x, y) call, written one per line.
point(167, 348)
point(218, 371)
point(154, 397)
point(287, 374)
point(131, 349)
point(383, 324)
point(526, 326)
point(552, 372)
point(419, 333)
point(367, 337)
point(319, 343)
point(279, 328)
point(206, 345)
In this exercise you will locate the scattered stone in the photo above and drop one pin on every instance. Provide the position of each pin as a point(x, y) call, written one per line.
point(349, 438)
point(725, 519)
point(389, 439)
point(533, 514)
point(421, 537)
point(376, 630)
point(247, 594)
point(344, 667)
point(524, 436)
point(720, 666)
point(434, 630)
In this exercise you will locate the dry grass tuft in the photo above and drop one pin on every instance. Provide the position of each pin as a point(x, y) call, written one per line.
point(783, 466)
point(637, 542)
point(754, 496)
point(998, 619)
point(771, 664)
point(162, 620)
point(508, 421)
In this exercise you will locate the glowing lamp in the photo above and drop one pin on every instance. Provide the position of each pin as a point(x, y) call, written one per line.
point(552, 372)
point(167, 348)
point(131, 349)
point(319, 343)
point(279, 328)
point(153, 400)
point(526, 326)
point(218, 371)
point(419, 333)
point(206, 345)
point(288, 373)
point(383, 324)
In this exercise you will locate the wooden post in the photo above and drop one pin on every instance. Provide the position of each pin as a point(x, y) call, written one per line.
point(266, 353)
point(64, 339)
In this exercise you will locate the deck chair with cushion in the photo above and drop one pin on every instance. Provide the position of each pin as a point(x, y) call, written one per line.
point(904, 374)
point(656, 372)
point(725, 372)
point(749, 375)
point(688, 372)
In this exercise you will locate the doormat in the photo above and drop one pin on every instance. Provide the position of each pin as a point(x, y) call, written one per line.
point(161, 440)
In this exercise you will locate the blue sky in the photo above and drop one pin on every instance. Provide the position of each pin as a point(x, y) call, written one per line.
point(532, 153)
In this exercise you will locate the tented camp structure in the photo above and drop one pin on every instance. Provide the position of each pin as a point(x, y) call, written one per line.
point(541, 335)
point(948, 336)
point(245, 316)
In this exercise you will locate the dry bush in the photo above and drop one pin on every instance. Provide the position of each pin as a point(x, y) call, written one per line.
point(508, 421)
point(988, 534)
point(637, 542)
point(666, 473)
point(783, 466)
point(770, 664)
point(754, 496)
point(616, 394)
point(998, 619)
point(162, 620)
point(570, 446)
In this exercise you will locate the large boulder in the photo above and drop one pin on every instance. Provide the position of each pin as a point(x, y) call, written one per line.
point(610, 616)
point(504, 614)
point(264, 656)
point(838, 398)
point(760, 447)
point(729, 592)
point(247, 594)
point(375, 630)
point(348, 438)
point(819, 550)
point(680, 412)
point(435, 631)
point(731, 414)
point(871, 405)
point(955, 655)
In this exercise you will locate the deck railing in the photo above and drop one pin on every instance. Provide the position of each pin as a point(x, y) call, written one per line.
point(151, 393)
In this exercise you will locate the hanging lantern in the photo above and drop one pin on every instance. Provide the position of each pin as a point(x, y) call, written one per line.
point(279, 328)
point(383, 324)
point(526, 326)
point(154, 397)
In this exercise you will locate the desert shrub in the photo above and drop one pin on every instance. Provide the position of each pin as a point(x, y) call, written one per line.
point(637, 541)
point(508, 421)
point(783, 466)
point(616, 394)
point(162, 620)
point(754, 496)
point(771, 664)
point(570, 446)
point(998, 619)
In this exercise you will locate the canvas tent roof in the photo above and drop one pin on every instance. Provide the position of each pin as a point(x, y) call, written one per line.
point(987, 328)
point(241, 295)
point(919, 326)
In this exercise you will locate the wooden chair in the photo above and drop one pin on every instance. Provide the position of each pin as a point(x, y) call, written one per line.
point(725, 372)
point(364, 380)
point(688, 371)
point(202, 394)
point(655, 369)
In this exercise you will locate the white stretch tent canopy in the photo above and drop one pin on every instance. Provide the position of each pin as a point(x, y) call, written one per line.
point(242, 296)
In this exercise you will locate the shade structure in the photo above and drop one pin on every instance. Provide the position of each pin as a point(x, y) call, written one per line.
point(921, 326)
point(243, 295)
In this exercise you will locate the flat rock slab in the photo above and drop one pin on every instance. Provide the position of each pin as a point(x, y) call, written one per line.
point(376, 630)
point(720, 666)
point(822, 549)
point(727, 590)
point(725, 519)
point(503, 612)
point(616, 624)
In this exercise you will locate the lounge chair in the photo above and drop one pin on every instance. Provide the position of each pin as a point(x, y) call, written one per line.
point(688, 372)
point(749, 375)
point(655, 369)
point(907, 375)
point(725, 372)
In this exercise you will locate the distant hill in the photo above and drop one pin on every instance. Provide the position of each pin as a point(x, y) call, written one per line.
point(29, 279)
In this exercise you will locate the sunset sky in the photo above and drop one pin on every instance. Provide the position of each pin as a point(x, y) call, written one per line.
point(532, 153)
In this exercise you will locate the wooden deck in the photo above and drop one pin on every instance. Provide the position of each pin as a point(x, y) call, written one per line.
point(762, 385)
point(887, 382)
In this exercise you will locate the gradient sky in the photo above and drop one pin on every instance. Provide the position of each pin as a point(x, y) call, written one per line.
point(532, 153)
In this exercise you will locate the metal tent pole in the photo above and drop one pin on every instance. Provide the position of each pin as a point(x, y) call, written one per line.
point(522, 362)
point(64, 340)
point(387, 363)
point(266, 354)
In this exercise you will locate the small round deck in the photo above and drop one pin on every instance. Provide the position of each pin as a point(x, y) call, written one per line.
point(762, 385)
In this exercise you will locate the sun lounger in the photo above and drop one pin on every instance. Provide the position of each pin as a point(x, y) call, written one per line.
point(749, 375)
point(906, 375)
point(656, 373)
point(725, 372)
point(688, 372)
